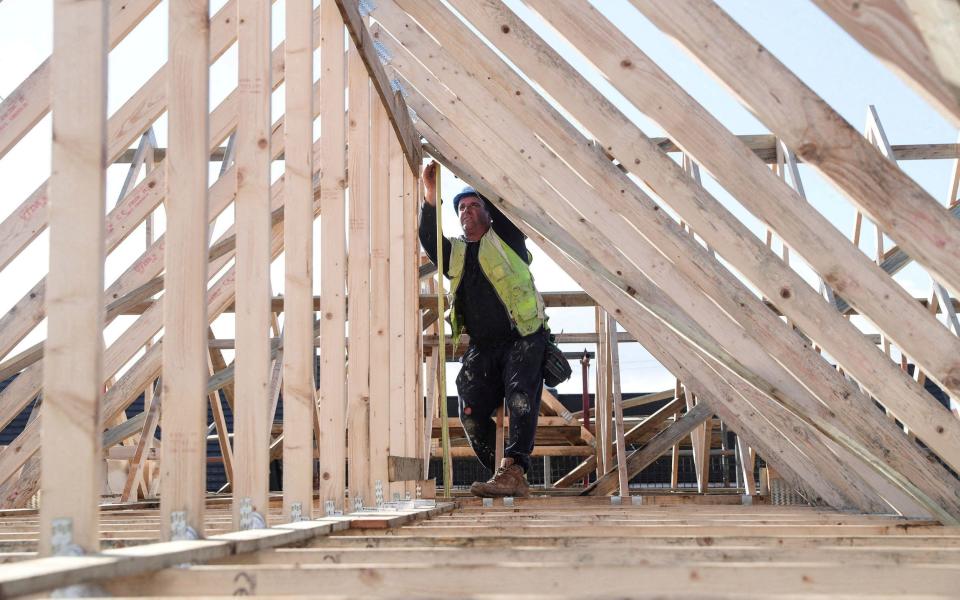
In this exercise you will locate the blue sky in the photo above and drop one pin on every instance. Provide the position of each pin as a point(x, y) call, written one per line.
point(802, 37)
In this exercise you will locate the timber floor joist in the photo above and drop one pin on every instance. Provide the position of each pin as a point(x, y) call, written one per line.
point(131, 542)
point(573, 548)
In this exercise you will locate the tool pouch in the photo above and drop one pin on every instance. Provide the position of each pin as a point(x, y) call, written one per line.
point(556, 368)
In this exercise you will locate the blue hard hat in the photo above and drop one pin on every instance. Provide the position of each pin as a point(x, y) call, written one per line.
point(467, 191)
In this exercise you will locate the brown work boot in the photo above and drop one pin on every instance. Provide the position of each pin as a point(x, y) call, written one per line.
point(509, 480)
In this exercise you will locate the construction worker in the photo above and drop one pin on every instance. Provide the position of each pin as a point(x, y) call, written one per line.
point(496, 303)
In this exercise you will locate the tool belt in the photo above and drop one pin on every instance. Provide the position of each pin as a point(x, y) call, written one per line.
point(556, 368)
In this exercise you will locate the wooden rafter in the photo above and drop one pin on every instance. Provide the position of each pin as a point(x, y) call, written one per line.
point(629, 312)
point(886, 28)
point(939, 24)
point(829, 387)
point(392, 100)
point(828, 143)
point(738, 245)
point(750, 344)
point(30, 101)
point(938, 485)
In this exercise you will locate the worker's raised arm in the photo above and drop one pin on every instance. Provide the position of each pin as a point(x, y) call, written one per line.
point(428, 218)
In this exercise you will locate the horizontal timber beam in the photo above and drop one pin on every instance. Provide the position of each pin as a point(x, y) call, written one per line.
point(763, 145)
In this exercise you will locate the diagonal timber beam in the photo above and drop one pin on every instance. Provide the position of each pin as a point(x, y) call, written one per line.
point(123, 128)
point(124, 218)
point(901, 208)
point(129, 121)
point(654, 449)
point(563, 238)
point(940, 486)
point(147, 368)
point(27, 385)
point(30, 101)
point(760, 190)
point(827, 476)
point(392, 100)
point(878, 296)
point(894, 260)
point(886, 28)
point(830, 386)
point(650, 426)
point(705, 321)
point(605, 291)
point(559, 234)
point(939, 25)
point(654, 298)
point(695, 204)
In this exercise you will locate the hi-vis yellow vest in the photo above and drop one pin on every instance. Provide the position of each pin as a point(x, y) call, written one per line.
point(510, 276)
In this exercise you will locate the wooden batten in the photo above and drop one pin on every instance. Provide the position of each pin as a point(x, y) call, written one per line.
point(70, 463)
point(185, 354)
point(413, 400)
point(381, 295)
point(299, 388)
point(399, 394)
point(404, 468)
point(333, 268)
point(360, 483)
point(938, 22)
point(251, 425)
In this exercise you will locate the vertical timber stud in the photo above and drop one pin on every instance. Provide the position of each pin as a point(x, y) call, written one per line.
point(70, 463)
point(441, 387)
point(185, 353)
point(332, 270)
point(251, 420)
point(299, 391)
point(413, 400)
point(398, 346)
point(358, 280)
point(618, 407)
point(380, 133)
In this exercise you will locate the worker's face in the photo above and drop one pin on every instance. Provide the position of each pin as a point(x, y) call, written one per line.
point(474, 217)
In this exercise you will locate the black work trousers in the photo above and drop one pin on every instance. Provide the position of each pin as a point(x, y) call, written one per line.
point(494, 371)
